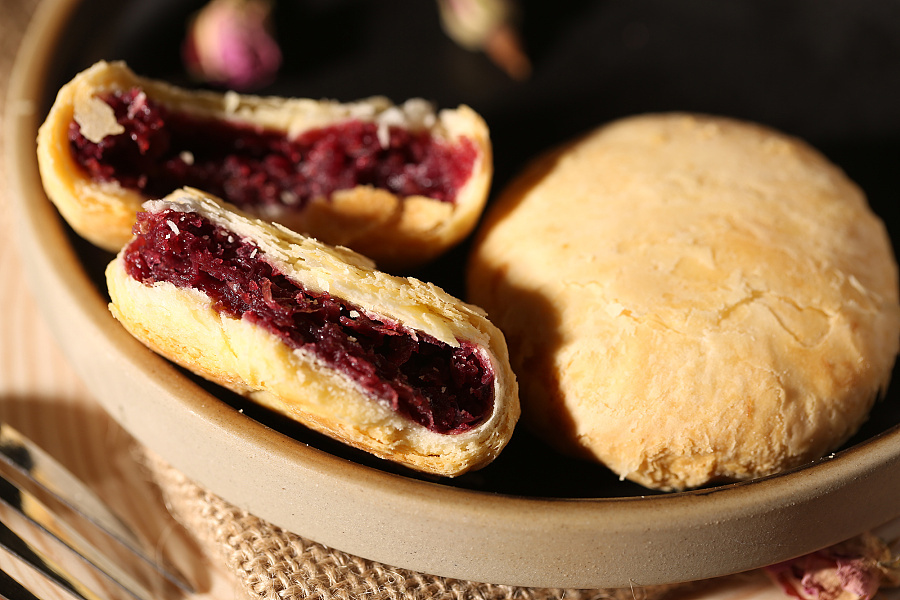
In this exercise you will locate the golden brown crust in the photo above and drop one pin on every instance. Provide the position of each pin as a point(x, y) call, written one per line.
point(396, 232)
point(689, 298)
point(182, 325)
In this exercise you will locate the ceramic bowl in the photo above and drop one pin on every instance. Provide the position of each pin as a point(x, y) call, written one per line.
point(532, 518)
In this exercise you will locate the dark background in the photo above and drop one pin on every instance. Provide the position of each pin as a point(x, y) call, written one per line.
point(827, 71)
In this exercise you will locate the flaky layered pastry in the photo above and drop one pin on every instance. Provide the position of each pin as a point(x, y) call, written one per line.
point(390, 365)
point(690, 299)
point(398, 183)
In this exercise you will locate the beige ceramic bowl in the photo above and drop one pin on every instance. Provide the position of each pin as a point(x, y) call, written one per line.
point(428, 526)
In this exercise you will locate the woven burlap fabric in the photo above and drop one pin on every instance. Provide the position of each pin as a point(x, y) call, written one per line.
point(272, 563)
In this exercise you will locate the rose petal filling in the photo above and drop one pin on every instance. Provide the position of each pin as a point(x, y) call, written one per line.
point(162, 150)
point(448, 390)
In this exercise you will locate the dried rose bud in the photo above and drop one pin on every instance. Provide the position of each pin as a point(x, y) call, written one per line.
point(230, 43)
point(487, 26)
point(852, 570)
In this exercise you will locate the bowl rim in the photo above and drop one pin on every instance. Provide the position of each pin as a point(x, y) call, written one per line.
point(418, 525)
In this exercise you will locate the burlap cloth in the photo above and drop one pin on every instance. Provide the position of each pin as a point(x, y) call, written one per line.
point(271, 563)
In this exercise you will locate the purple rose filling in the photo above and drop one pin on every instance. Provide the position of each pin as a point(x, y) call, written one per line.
point(161, 151)
point(448, 390)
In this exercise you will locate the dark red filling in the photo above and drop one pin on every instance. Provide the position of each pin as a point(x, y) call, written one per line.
point(162, 150)
point(446, 389)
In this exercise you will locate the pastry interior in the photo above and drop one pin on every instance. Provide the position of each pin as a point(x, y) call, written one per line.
point(159, 149)
point(399, 183)
point(446, 389)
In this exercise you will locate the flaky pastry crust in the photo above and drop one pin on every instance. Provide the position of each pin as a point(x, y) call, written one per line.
point(689, 299)
point(396, 232)
point(182, 325)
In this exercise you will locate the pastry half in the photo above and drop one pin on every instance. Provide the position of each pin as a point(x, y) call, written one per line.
point(398, 183)
point(393, 366)
point(690, 299)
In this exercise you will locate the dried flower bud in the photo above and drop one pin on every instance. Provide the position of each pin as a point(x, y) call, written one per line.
point(230, 43)
point(487, 26)
point(852, 570)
